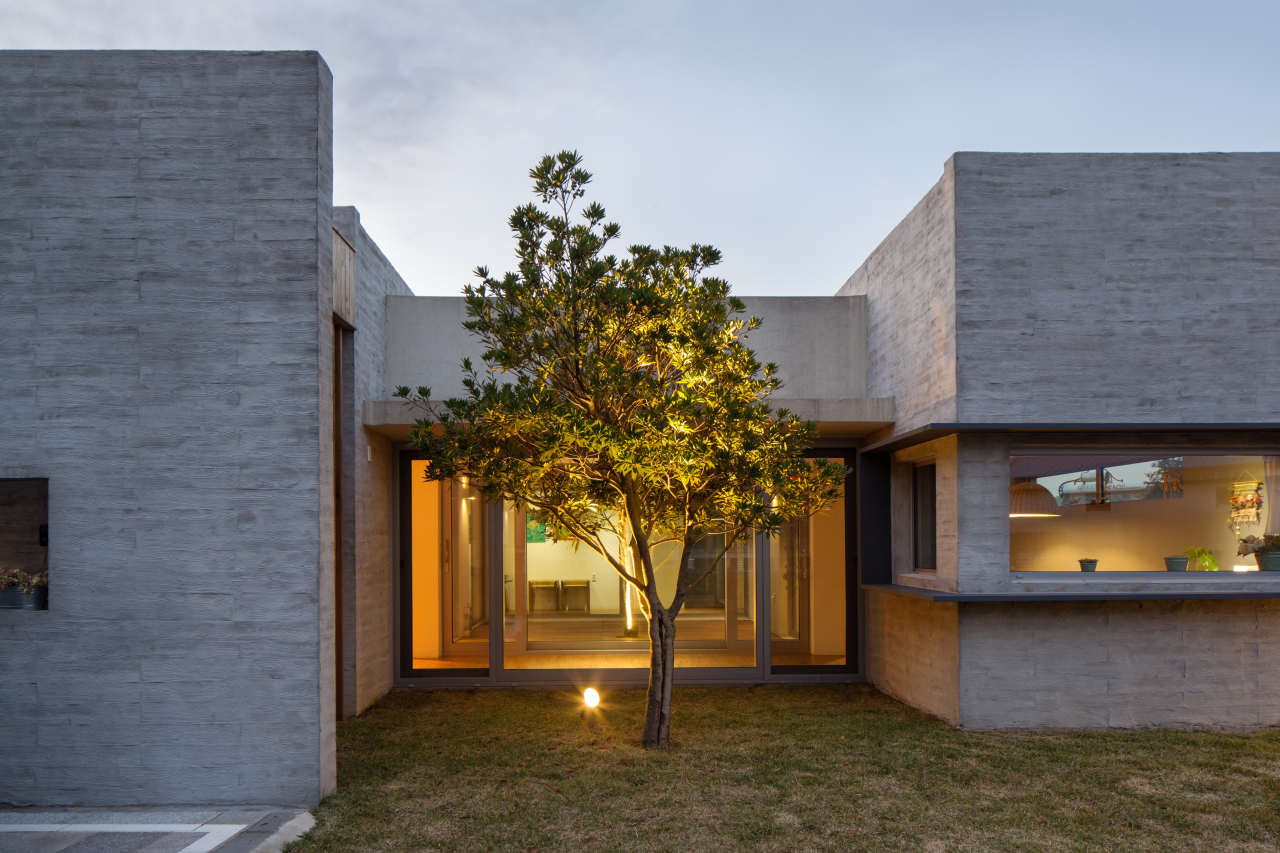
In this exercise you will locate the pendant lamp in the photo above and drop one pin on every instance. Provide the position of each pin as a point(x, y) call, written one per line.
point(1032, 500)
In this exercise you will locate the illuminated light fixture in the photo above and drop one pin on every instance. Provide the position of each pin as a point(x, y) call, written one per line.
point(591, 697)
point(1032, 500)
point(1244, 568)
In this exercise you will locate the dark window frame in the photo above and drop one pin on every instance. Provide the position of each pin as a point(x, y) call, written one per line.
point(921, 562)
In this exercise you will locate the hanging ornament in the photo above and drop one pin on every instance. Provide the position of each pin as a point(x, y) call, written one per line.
point(1246, 501)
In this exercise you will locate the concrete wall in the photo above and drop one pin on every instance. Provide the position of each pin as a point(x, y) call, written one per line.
point(426, 344)
point(1120, 664)
point(1103, 288)
point(913, 651)
point(368, 604)
point(909, 282)
point(164, 254)
point(819, 344)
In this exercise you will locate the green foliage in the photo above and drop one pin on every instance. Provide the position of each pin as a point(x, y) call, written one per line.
point(618, 397)
point(1203, 559)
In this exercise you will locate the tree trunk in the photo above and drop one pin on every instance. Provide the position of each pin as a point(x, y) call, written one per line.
point(662, 664)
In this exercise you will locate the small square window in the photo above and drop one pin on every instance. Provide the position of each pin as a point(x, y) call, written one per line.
point(24, 544)
point(924, 516)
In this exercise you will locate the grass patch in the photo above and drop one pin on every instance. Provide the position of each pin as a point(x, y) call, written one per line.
point(778, 768)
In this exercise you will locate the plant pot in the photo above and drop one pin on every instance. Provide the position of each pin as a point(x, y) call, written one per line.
point(1268, 561)
point(1176, 564)
point(1088, 565)
point(13, 598)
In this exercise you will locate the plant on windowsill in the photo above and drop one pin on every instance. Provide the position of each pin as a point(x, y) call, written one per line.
point(1088, 564)
point(21, 590)
point(1201, 559)
point(1265, 549)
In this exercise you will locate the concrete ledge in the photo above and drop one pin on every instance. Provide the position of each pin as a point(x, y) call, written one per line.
point(1272, 591)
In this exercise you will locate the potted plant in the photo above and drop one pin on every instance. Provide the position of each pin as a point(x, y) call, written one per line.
point(1266, 550)
point(1088, 564)
point(1176, 564)
point(1203, 559)
point(21, 590)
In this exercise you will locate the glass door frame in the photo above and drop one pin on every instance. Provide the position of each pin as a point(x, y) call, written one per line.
point(630, 676)
point(853, 599)
point(496, 674)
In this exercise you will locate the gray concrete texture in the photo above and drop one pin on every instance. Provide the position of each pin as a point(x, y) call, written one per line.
point(1081, 288)
point(367, 600)
point(818, 343)
point(164, 257)
point(1120, 664)
point(1104, 288)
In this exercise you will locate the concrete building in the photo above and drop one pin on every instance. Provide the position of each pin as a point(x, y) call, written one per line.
point(1054, 359)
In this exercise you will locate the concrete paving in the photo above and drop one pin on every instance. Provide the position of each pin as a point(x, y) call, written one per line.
point(248, 830)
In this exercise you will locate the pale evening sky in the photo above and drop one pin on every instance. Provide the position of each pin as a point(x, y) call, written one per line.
point(792, 136)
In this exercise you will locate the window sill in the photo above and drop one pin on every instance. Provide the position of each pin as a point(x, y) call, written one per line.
point(1069, 586)
point(924, 580)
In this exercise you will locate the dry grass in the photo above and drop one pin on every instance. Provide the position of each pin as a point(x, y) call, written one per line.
point(779, 768)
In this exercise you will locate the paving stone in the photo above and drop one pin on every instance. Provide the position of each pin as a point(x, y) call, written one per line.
point(118, 842)
point(39, 842)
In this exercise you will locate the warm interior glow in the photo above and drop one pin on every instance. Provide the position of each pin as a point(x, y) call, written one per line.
point(1032, 500)
point(591, 697)
point(1244, 568)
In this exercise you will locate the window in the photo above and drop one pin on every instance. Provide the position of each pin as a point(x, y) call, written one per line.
point(565, 606)
point(1141, 512)
point(24, 544)
point(924, 516)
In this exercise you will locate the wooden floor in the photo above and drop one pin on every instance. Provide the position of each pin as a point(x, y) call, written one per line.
point(587, 629)
point(584, 630)
point(625, 660)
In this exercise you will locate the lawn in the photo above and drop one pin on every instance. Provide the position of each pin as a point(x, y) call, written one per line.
point(778, 768)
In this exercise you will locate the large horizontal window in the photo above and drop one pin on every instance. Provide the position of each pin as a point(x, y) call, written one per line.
point(1142, 513)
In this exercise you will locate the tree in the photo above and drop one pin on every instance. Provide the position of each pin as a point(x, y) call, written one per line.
point(620, 403)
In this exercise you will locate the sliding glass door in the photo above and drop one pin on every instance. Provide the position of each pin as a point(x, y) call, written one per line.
point(472, 571)
point(565, 606)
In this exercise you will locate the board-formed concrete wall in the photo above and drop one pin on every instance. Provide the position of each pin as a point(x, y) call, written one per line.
point(164, 257)
point(1121, 664)
point(368, 632)
point(818, 342)
point(909, 282)
point(913, 651)
point(1105, 288)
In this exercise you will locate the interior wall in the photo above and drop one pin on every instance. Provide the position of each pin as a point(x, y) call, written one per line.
point(428, 627)
point(913, 651)
point(1119, 664)
point(827, 626)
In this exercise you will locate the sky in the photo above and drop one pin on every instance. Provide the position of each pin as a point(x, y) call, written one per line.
point(792, 136)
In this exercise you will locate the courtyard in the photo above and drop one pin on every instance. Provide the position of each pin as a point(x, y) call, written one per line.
point(778, 768)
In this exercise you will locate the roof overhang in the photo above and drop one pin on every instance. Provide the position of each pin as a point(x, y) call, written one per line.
point(1171, 434)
